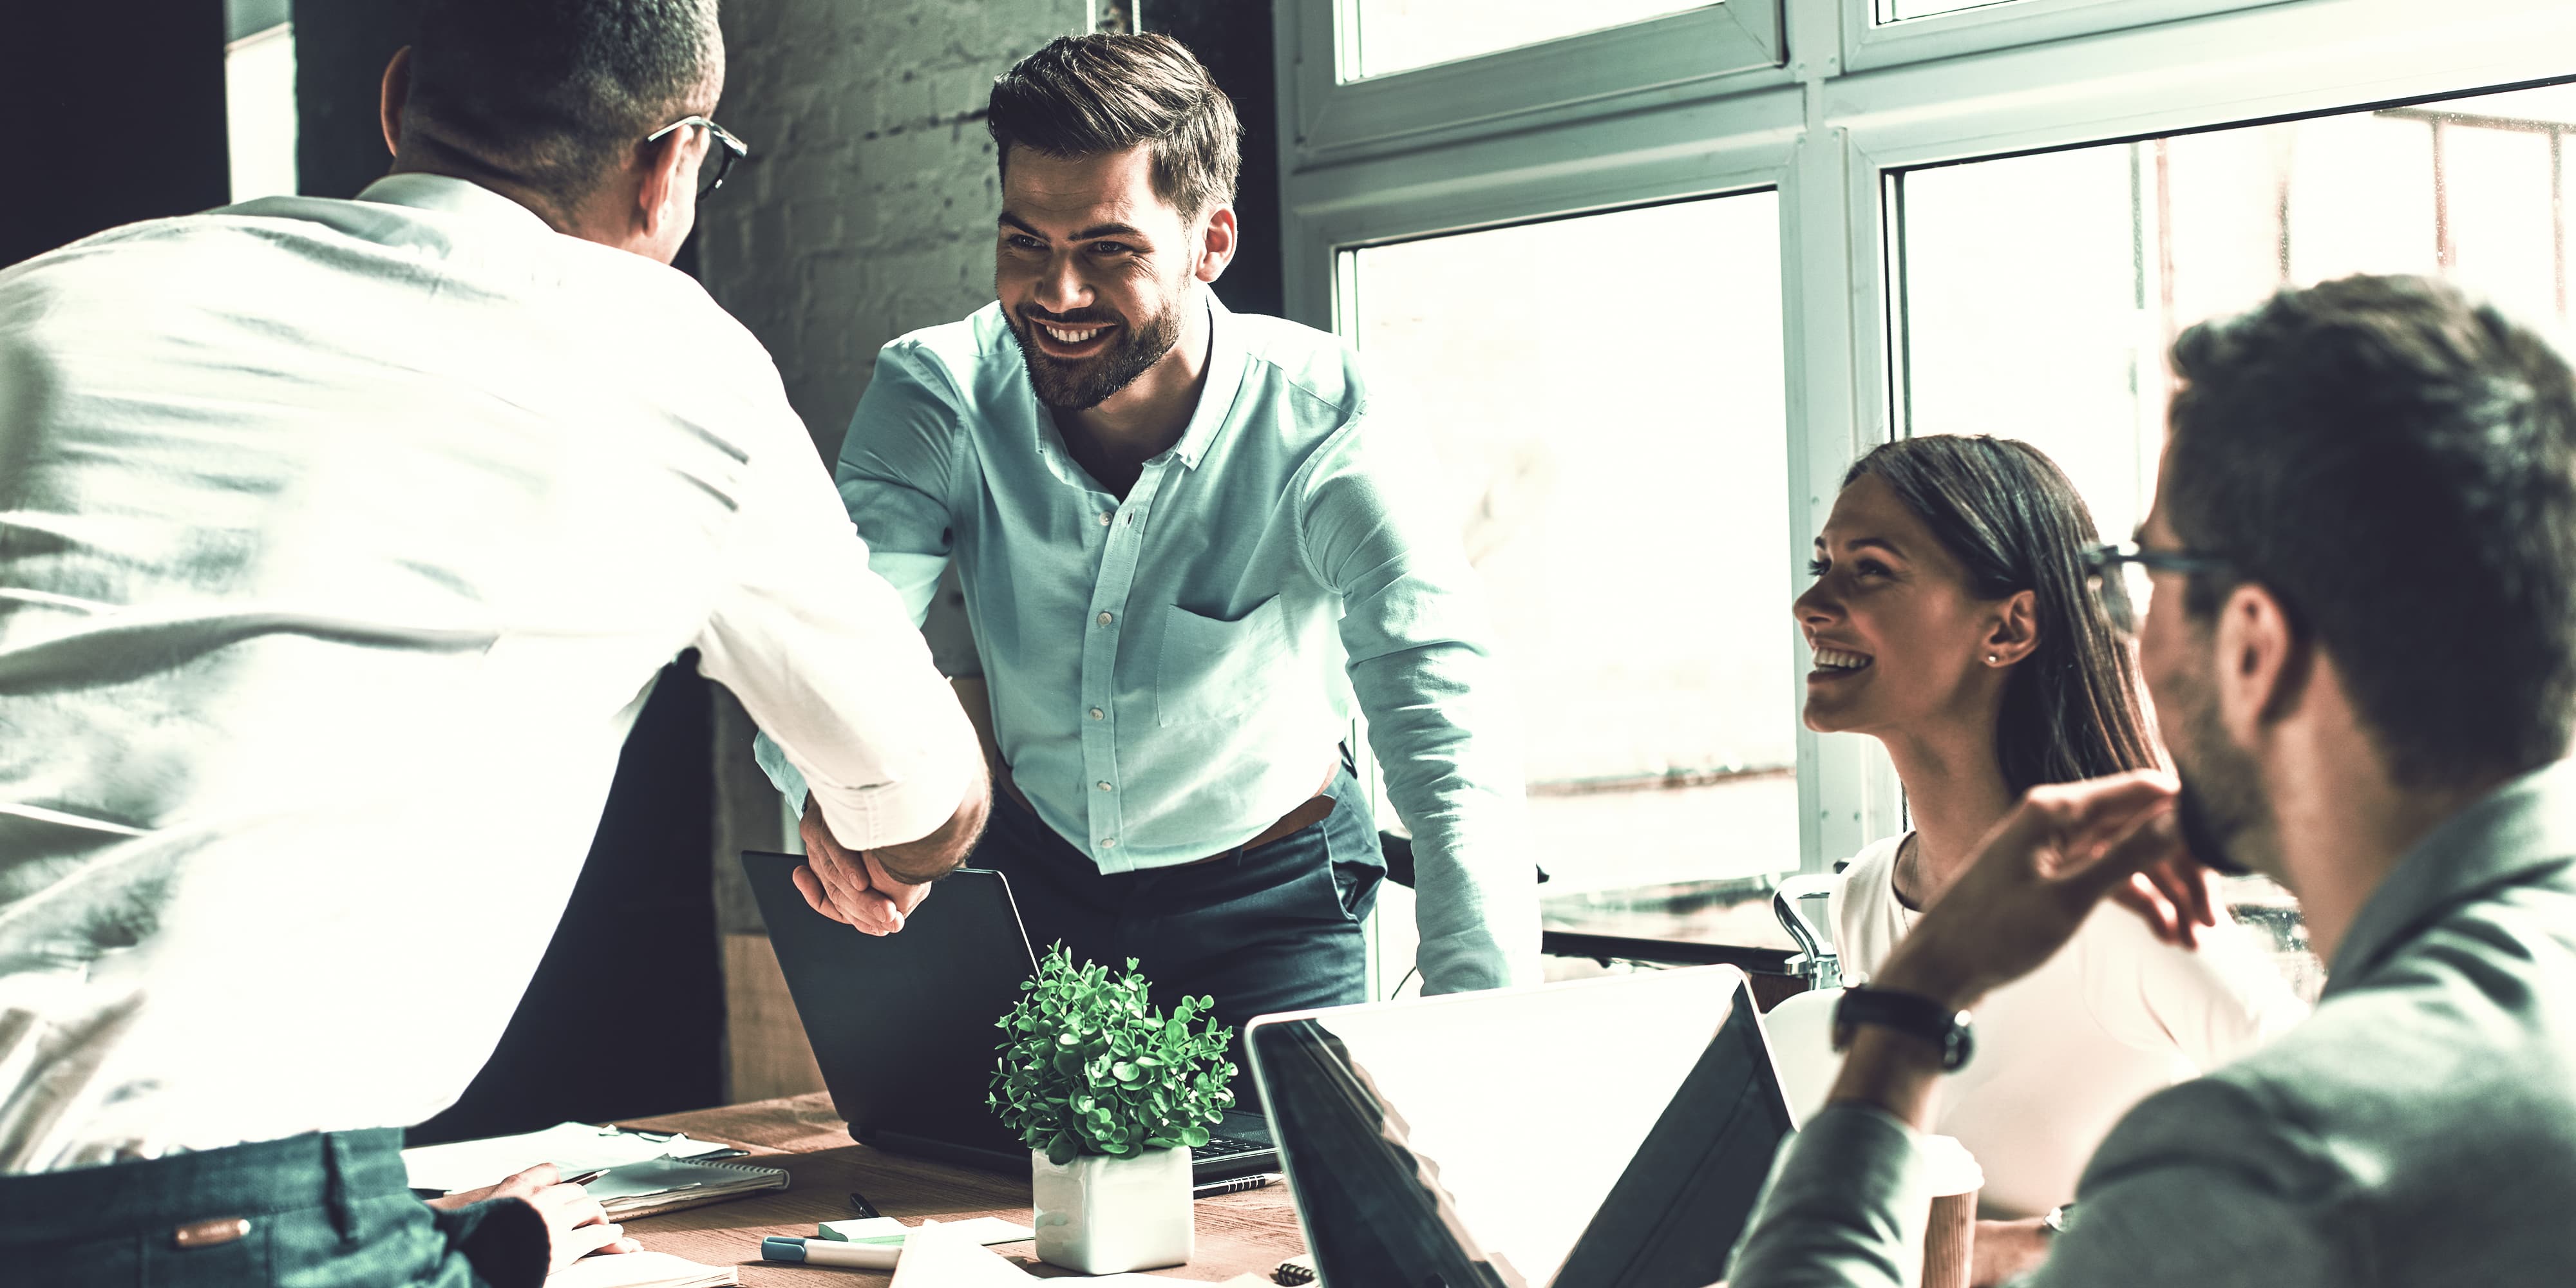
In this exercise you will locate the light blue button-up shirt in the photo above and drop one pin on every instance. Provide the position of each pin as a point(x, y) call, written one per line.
point(1170, 673)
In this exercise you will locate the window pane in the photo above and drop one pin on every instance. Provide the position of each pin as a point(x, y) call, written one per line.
point(1900, 10)
point(259, 112)
point(1615, 442)
point(1399, 35)
point(2039, 293)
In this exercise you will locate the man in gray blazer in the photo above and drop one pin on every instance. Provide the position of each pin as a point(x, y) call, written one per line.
point(2362, 651)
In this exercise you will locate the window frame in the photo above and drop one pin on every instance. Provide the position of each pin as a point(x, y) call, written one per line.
point(2006, 24)
point(1696, 54)
point(1848, 103)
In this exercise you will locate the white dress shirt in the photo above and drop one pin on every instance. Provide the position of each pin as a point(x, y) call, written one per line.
point(340, 542)
point(2064, 1051)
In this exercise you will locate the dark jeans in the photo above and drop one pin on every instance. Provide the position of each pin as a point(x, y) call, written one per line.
point(325, 1210)
point(1271, 929)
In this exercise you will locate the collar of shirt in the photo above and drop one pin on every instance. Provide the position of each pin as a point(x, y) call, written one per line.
point(2527, 825)
point(452, 196)
point(1224, 380)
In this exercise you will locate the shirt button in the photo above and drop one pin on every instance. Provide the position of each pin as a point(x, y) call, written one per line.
point(1098, 714)
point(1105, 517)
point(1102, 786)
point(1109, 843)
point(1105, 619)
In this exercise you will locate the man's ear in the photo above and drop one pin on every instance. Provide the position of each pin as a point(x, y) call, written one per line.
point(2014, 634)
point(1216, 243)
point(2263, 663)
point(395, 96)
point(667, 180)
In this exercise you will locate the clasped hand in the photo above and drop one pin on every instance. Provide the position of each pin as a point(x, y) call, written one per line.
point(2037, 876)
point(851, 886)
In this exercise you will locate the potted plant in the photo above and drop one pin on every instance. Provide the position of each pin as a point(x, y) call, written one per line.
point(1110, 1096)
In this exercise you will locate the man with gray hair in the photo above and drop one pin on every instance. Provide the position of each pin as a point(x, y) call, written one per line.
point(340, 542)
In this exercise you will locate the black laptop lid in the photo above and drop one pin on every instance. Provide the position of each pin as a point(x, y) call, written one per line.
point(1607, 1134)
point(903, 1024)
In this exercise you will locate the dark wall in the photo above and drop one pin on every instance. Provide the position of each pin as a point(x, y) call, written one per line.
point(341, 48)
point(116, 114)
point(625, 1018)
point(1233, 39)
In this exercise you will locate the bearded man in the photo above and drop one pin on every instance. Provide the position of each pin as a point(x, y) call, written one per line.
point(1185, 550)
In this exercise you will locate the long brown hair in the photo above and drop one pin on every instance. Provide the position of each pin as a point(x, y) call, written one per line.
point(2013, 520)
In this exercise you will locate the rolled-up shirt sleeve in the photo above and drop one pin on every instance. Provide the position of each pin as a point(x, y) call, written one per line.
point(826, 657)
point(894, 473)
point(1440, 714)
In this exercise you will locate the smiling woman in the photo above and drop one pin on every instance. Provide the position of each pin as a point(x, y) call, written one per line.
point(1951, 620)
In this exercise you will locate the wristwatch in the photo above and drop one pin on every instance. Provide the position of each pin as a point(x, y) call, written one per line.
point(1906, 1013)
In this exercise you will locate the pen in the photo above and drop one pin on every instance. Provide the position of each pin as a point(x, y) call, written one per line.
point(859, 1204)
point(585, 1178)
point(1240, 1183)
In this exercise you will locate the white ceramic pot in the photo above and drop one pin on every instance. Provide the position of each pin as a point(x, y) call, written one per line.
point(1104, 1216)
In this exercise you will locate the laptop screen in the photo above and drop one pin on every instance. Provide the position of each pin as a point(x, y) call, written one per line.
point(1591, 1134)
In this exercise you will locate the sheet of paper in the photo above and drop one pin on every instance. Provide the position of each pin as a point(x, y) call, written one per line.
point(641, 1270)
point(936, 1257)
point(573, 1147)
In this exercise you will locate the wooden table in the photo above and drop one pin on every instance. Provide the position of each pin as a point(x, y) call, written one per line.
point(1246, 1233)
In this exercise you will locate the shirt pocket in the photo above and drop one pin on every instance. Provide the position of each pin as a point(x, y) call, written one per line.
point(1212, 668)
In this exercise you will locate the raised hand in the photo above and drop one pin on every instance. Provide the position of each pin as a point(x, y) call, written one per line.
point(2039, 873)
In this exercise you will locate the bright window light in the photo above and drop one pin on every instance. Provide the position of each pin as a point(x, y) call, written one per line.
point(1604, 394)
point(259, 112)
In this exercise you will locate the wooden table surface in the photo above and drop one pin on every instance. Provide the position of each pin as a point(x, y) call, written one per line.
point(1246, 1233)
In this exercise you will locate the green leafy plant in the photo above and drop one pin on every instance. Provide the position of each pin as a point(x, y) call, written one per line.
point(1088, 1068)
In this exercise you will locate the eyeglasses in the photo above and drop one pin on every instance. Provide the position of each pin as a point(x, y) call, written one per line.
point(2118, 577)
point(723, 149)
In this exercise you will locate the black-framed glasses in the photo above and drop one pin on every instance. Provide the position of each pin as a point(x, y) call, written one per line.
point(2118, 577)
point(723, 149)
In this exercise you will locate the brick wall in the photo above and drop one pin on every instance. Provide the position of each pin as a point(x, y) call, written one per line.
point(866, 209)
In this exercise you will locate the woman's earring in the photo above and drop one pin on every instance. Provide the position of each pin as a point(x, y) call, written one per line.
point(1993, 659)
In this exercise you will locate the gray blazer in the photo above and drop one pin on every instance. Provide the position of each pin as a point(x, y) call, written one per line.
point(2420, 1128)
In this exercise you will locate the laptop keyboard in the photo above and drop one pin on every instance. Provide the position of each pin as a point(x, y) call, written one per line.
point(1225, 1147)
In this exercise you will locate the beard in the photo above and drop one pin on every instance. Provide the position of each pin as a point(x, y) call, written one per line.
point(2220, 810)
point(1084, 383)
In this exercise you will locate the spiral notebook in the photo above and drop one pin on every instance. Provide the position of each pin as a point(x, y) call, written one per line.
point(648, 1172)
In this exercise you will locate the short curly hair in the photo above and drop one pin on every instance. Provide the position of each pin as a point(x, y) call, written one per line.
point(551, 93)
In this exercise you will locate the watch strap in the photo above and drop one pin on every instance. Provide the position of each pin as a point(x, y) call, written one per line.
point(1909, 1013)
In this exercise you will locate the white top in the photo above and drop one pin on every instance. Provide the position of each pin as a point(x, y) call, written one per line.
point(2063, 1052)
point(339, 544)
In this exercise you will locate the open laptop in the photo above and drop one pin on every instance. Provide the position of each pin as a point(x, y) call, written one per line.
point(904, 1025)
point(1608, 1133)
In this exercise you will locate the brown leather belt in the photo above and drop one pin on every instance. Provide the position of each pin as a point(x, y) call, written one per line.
point(1307, 813)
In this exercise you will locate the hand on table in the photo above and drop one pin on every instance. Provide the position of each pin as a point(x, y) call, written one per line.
point(2007, 1250)
point(850, 886)
point(576, 1225)
point(2036, 877)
